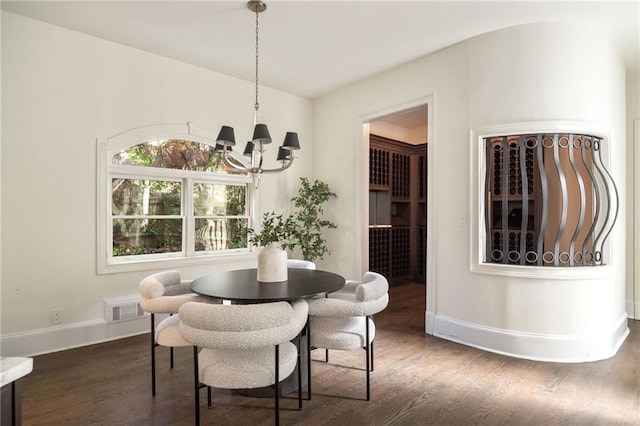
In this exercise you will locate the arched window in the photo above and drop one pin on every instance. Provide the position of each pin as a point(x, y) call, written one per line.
point(164, 195)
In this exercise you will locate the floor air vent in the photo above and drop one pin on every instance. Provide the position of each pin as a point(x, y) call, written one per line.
point(122, 308)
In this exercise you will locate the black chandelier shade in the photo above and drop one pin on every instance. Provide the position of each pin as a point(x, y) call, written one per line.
point(291, 141)
point(226, 136)
point(261, 134)
point(284, 154)
point(248, 149)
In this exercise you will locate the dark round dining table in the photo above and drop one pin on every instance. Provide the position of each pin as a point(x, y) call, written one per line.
point(242, 286)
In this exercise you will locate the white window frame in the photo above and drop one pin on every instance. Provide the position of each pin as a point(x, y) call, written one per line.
point(477, 198)
point(106, 170)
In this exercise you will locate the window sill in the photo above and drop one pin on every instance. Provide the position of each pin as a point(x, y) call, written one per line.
point(544, 272)
point(182, 262)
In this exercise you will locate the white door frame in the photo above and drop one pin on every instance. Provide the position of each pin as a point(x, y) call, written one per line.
point(362, 195)
point(635, 310)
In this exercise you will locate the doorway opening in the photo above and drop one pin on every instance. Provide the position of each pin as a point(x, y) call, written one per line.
point(395, 194)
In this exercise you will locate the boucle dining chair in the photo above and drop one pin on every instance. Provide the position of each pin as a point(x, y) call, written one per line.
point(300, 264)
point(164, 293)
point(304, 264)
point(243, 346)
point(344, 319)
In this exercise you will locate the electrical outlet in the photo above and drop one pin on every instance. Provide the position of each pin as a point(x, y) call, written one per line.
point(56, 316)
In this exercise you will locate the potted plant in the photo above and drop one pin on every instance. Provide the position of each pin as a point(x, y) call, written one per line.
point(303, 229)
point(274, 238)
point(309, 224)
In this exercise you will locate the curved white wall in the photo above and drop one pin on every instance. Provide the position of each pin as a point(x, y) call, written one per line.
point(545, 71)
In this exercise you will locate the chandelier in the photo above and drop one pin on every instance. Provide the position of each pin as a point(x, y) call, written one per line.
point(254, 149)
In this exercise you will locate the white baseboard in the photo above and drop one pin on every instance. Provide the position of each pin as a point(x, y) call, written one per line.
point(59, 338)
point(537, 347)
point(429, 323)
point(633, 310)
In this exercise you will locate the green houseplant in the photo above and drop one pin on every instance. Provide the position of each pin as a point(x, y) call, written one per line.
point(309, 224)
point(275, 230)
point(304, 228)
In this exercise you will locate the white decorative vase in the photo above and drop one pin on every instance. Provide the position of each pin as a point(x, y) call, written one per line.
point(272, 264)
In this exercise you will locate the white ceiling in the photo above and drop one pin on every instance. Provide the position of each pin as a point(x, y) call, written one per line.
point(310, 48)
point(412, 119)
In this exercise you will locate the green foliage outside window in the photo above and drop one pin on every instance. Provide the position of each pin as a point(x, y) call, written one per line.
point(145, 207)
point(172, 154)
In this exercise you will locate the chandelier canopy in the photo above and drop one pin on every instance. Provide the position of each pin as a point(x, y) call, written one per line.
point(254, 149)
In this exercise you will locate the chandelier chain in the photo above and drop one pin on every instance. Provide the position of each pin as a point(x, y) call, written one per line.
point(257, 105)
point(254, 148)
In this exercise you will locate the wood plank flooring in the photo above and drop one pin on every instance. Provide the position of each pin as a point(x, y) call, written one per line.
point(418, 380)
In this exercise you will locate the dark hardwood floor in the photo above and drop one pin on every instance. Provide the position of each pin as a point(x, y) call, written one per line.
point(418, 380)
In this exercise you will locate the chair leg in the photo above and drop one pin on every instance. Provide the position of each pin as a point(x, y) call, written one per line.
point(299, 368)
point(171, 353)
point(196, 380)
point(371, 345)
point(208, 396)
point(372, 351)
point(368, 350)
point(326, 355)
point(153, 354)
point(277, 390)
point(308, 359)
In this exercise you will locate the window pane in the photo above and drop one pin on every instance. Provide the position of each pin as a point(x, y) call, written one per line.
point(172, 154)
point(220, 234)
point(219, 200)
point(145, 197)
point(146, 236)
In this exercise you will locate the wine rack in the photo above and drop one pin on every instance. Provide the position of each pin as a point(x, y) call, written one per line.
point(422, 177)
point(380, 251)
point(549, 201)
point(508, 193)
point(401, 182)
point(511, 250)
point(379, 168)
point(422, 251)
point(399, 170)
point(400, 252)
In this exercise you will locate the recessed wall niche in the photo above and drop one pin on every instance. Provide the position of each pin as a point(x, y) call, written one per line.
point(549, 200)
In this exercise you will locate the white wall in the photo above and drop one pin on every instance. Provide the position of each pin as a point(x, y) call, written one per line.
point(62, 90)
point(633, 193)
point(526, 73)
